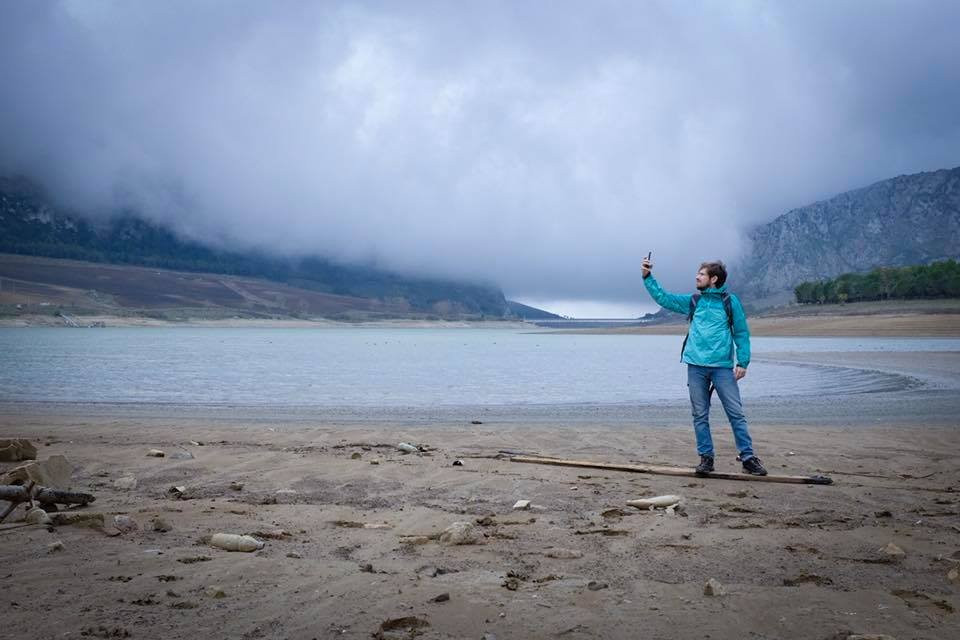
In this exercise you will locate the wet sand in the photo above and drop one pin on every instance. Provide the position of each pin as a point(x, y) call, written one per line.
point(796, 561)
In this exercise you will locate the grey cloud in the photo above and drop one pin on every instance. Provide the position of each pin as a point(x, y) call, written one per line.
point(541, 146)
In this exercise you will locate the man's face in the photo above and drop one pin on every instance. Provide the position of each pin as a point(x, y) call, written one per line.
point(704, 281)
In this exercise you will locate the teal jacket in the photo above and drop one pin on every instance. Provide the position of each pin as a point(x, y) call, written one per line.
point(710, 342)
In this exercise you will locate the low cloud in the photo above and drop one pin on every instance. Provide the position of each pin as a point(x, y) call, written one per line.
point(544, 147)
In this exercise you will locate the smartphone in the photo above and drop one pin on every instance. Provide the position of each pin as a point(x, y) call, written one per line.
point(649, 253)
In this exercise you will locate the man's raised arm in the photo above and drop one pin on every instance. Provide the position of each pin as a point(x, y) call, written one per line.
point(673, 301)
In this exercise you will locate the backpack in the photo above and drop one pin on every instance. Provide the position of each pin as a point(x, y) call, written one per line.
point(694, 301)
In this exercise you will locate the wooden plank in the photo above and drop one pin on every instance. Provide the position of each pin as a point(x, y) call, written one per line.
point(673, 471)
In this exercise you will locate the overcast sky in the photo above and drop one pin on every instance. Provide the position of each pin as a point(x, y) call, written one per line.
point(541, 146)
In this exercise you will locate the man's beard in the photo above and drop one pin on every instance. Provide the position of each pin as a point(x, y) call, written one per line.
point(704, 287)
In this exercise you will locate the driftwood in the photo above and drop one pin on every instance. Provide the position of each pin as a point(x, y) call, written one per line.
point(16, 494)
point(673, 471)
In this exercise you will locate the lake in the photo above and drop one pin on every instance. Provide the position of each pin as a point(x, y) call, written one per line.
point(399, 367)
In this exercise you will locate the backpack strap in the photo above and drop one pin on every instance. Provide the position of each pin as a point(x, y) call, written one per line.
point(694, 301)
point(728, 307)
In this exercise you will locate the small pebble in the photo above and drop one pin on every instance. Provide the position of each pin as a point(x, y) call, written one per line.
point(714, 588)
point(216, 592)
point(159, 524)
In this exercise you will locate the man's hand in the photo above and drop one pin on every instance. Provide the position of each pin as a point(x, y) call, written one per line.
point(739, 372)
point(645, 267)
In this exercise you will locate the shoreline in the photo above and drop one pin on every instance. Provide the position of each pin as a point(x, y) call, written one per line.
point(936, 322)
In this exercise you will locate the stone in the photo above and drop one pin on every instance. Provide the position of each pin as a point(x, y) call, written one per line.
point(656, 502)
point(870, 636)
point(55, 547)
point(160, 524)
point(893, 551)
point(356, 455)
point(235, 542)
point(593, 585)
point(236, 486)
point(714, 588)
point(461, 532)
point(155, 453)
point(953, 576)
point(125, 524)
point(125, 483)
point(563, 554)
point(37, 516)
point(443, 597)
point(295, 555)
point(406, 627)
point(215, 591)
point(53, 472)
point(521, 505)
point(17, 449)
point(374, 462)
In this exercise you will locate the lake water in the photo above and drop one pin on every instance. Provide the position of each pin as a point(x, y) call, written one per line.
point(377, 367)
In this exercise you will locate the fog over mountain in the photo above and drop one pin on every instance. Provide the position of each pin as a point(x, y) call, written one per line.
point(543, 146)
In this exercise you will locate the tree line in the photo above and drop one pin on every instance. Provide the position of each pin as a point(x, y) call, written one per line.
point(935, 280)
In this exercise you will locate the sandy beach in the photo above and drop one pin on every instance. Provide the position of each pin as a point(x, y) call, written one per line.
point(351, 524)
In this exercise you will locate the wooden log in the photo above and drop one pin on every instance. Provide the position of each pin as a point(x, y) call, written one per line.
point(16, 493)
point(673, 471)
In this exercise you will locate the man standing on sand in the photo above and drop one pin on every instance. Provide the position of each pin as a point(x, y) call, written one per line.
point(717, 325)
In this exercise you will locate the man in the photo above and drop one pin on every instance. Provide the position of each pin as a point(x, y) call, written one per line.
point(718, 331)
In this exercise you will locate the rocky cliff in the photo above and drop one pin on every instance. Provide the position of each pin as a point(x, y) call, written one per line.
point(906, 220)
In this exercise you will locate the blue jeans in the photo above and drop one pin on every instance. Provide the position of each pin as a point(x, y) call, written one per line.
point(698, 381)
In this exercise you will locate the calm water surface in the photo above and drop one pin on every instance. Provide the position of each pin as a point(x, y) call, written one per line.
point(397, 367)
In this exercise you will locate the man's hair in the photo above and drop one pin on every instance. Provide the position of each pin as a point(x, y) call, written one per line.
point(716, 269)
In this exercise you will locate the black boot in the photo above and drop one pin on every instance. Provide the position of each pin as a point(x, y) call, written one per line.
point(705, 467)
point(754, 467)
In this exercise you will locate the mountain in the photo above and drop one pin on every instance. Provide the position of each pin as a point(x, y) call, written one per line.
point(526, 312)
point(30, 225)
point(907, 220)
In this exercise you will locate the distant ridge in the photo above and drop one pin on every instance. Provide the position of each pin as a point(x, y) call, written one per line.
point(526, 312)
point(907, 220)
point(30, 225)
